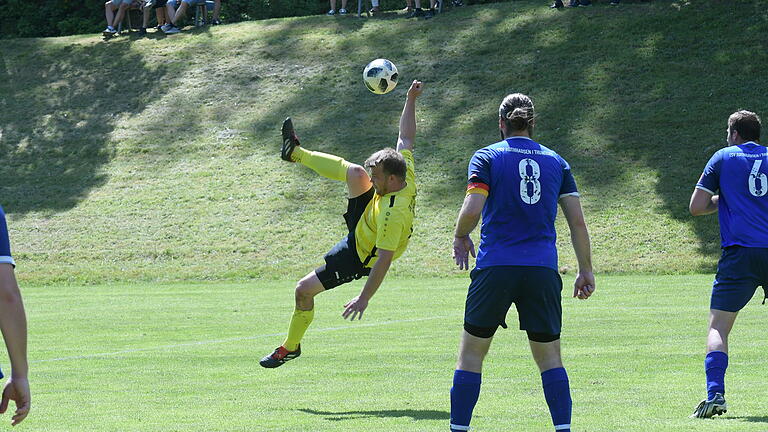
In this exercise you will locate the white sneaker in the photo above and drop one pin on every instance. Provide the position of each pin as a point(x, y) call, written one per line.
point(711, 408)
point(342, 11)
point(109, 31)
point(331, 12)
point(172, 30)
point(165, 27)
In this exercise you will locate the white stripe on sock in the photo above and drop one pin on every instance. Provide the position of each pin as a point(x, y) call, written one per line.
point(459, 427)
point(563, 426)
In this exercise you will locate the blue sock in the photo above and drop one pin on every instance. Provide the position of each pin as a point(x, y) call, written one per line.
point(464, 394)
point(715, 365)
point(557, 392)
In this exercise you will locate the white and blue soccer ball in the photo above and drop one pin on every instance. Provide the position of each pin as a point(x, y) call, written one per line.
point(380, 76)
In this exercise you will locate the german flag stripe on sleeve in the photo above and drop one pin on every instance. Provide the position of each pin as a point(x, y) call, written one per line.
point(476, 187)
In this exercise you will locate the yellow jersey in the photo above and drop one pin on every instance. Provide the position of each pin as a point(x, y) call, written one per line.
point(387, 222)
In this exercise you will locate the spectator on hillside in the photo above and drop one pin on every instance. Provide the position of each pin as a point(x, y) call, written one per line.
point(374, 7)
point(160, 14)
point(113, 20)
point(216, 10)
point(342, 11)
point(572, 3)
point(411, 12)
point(418, 12)
point(175, 15)
point(432, 9)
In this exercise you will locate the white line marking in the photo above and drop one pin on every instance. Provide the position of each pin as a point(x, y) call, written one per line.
point(218, 341)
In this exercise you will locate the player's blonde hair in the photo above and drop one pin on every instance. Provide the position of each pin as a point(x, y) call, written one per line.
point(517, 111)
point(391, 161)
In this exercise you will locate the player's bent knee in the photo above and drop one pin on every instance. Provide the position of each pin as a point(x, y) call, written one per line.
point(543, 337)
point(303, 290)
point(481, 332)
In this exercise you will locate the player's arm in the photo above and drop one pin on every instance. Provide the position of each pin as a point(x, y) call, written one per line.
point(408, 118)
point(357, 305)
point(13, 323)
point(703, 202)
point(704, 199)
point(469, 216)
point(584, 285)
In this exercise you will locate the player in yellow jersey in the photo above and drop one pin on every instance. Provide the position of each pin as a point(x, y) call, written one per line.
point(382, 198)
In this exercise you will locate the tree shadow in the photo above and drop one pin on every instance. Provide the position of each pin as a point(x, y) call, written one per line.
point(353, 415)
point(60, 102)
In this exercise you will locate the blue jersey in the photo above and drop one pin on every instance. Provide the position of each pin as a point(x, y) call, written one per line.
point(524, 181)
point(738, 173)
point(5, 243)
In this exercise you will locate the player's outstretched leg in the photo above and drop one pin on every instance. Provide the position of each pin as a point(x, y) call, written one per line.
point(327, 165)
point(303, 314)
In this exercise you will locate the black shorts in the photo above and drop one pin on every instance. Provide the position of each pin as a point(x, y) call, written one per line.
point(342, 264)
point(535, 291)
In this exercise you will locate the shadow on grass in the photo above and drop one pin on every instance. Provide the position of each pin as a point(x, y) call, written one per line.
point(352, 415)
point(59, 104)
point(752, 419)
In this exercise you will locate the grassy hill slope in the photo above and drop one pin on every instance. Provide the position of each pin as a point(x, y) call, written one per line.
point(156, 158)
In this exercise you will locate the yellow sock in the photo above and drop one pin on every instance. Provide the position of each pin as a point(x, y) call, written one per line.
point(327, 165)
point(300, 322)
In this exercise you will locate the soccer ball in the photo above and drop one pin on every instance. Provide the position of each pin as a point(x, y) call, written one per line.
point(380, 76)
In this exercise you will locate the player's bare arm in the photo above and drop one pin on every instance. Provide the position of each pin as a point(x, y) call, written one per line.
point(13, 323)
point(584, 285)
point(408, 118)
point(469, 216)
point(702, 202)
point(356, 306)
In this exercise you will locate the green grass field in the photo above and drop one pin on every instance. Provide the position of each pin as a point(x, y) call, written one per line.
point(184, 357)
point(158, 236)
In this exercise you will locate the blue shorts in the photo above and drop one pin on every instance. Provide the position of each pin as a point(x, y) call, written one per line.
point(739, 272)
point(5, 243)
point(535, 291)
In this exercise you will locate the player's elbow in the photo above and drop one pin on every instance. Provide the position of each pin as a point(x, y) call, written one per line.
point(404, 143)
point(386, 256)
point(697, 210)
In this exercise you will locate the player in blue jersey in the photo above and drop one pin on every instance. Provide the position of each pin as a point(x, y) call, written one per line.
point(734, 184)
point(516, 184)
point(13, 323)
